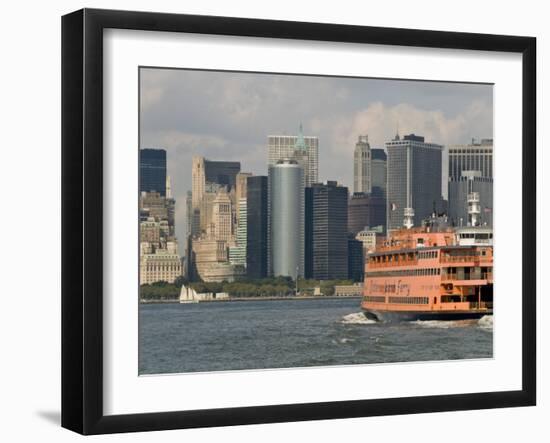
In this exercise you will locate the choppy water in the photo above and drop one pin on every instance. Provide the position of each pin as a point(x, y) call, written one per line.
point(283, 334)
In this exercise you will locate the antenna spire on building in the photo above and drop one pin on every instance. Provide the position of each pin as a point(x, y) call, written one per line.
point(168, 187)
point(300, 142)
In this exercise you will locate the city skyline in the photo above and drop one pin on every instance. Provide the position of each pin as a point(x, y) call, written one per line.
point(232, 114)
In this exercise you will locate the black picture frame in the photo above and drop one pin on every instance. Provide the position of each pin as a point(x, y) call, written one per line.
point(82, 216)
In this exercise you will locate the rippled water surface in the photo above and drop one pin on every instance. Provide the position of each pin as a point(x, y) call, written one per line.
point(294, 333)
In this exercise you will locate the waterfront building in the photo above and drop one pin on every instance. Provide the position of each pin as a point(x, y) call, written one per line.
point(303, 149)
point(160, 265)
point(355, 290)
point(257, 227)
point(460, 188)
point(326, 236)
point(356, 259)
point(413, 180)
point(152, 171)
point(286, 217)
point(476, 156)
point(362, 165)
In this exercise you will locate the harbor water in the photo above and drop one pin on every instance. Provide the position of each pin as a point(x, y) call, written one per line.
point(222, 336)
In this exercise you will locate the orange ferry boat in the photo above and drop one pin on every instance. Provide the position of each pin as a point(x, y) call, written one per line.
point(430, 273)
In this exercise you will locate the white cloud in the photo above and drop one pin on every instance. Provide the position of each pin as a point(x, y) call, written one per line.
point(381, 122)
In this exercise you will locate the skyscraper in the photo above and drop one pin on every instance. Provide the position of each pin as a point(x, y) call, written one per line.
point(237, 253)
point(152, 171)
point(459, 190)
point(358, 212)
point(327, 236)
point(366, 210)
point(286, 214)
point(414, 179)
point(470, 170)
point(222, 216)
point(223, 173)
point(303, 149)
point(477, 156)
point(378, 172)
point(356, 260)
point(189, 212)
point(256, 232)
point(362, 165)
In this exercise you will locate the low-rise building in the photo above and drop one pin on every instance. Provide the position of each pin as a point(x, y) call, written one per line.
point(162, 265)
point(355, 290)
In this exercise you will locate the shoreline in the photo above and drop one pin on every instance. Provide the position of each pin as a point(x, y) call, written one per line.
point(243, 299)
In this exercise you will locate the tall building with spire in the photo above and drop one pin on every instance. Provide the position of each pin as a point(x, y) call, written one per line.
point(362, 166)
point(303, 149)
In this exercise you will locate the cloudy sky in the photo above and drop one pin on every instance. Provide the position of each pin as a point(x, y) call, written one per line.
point(228, 116)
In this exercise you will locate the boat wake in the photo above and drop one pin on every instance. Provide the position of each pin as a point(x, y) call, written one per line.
point(356, 318)
point(441, 324)
point(486, 322)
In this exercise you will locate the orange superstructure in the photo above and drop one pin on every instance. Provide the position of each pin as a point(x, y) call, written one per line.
point(430, 273)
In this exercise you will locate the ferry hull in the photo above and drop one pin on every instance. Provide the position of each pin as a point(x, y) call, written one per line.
point(401, 316)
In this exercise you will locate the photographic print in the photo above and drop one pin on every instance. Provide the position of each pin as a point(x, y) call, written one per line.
point(293, 221)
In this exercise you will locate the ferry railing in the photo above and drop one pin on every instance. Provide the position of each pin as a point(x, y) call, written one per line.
point(466, 259)
point(480, 305)
point(471, 276)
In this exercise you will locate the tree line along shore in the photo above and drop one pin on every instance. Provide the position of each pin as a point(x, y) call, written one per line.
point(267, 287)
